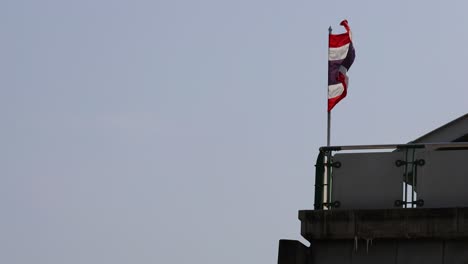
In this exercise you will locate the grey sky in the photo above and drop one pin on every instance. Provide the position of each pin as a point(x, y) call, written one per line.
point(187, 131)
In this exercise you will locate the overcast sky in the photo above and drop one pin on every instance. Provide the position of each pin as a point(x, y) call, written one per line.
point(187, 131)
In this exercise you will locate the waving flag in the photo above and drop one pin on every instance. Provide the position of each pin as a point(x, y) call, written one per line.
point(340, 58)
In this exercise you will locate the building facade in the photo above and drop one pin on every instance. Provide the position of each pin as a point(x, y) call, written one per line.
point(407, 204)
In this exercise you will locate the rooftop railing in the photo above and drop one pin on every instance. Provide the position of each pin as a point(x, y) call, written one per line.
point(390, 179)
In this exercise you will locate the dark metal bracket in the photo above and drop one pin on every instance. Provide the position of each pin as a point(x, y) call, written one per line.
point(335, 164)
point(418, 162)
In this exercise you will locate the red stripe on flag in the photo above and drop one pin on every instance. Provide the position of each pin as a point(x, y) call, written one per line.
point(344, 23)
point(335, 100)
point(336, 41)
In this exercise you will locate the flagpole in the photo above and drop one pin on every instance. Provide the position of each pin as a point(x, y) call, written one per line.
point(328, 128)
point(328, 112)
point(327, 176)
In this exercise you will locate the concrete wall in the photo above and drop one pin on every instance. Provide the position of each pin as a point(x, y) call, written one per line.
point(390, 251)
point(379, 251)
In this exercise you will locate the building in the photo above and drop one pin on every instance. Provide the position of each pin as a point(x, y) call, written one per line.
point(406, 205)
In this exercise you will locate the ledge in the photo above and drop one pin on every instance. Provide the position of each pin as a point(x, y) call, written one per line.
point(414, 223)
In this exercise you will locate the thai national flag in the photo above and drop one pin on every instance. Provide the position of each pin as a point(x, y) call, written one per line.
point(340, 58)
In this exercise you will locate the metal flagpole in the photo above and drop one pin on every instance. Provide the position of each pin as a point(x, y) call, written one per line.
point(329, 112)
point(328, 128)
point(327, 176)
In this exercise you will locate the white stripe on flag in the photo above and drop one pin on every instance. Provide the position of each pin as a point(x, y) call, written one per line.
point(335, 90)
point(338, 53)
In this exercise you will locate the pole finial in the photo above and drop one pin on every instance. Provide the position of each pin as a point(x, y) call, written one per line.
point(329, 30)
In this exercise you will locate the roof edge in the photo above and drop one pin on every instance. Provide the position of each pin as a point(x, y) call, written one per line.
point(439, 128)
